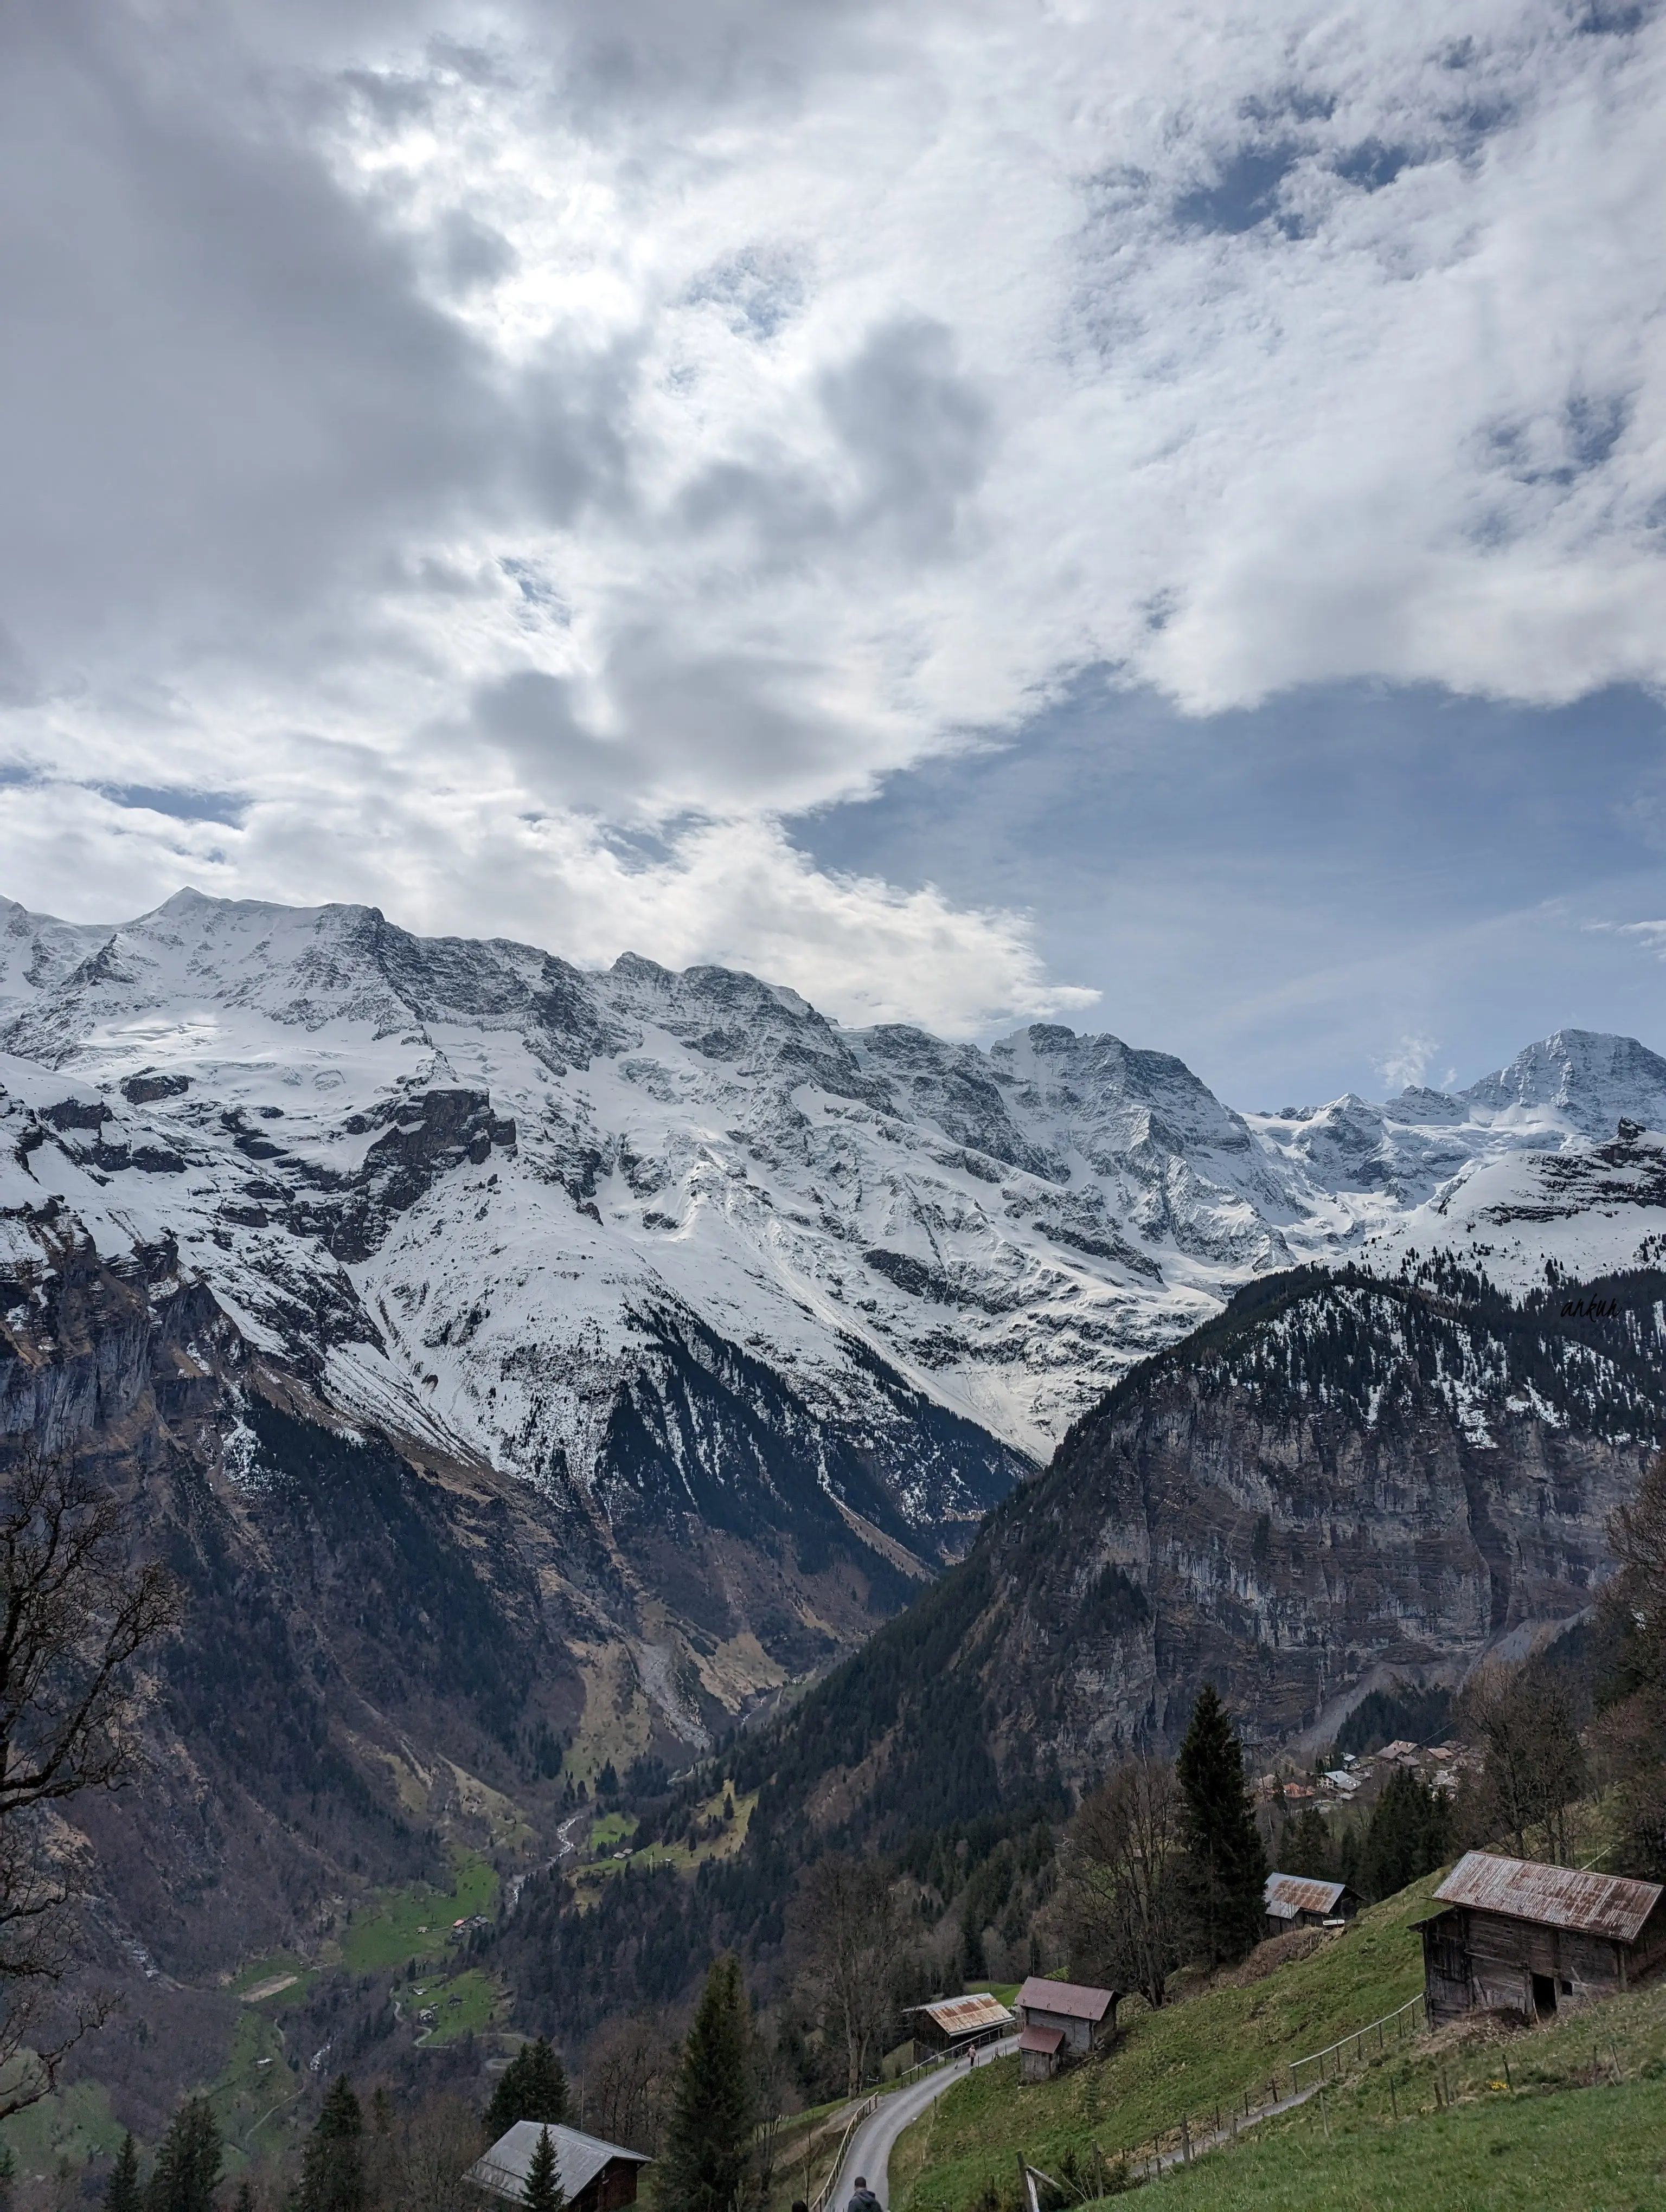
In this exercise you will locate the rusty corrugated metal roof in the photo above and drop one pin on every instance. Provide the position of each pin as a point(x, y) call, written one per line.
point(967, 2016)
point(1554, 1896)
point(1072, 1999)
point(1045, 2039)
point(1286, 1894)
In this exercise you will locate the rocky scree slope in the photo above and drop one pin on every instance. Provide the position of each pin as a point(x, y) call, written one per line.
point(1341, 1480)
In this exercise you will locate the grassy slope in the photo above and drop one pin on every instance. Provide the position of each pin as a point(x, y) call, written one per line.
point(1577, 2124)
point(1570, 2118)
point(1186, 2058)
point(416, 1922)
point(1590, 2150)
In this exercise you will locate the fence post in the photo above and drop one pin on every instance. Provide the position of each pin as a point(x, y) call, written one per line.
point(1185, 2141)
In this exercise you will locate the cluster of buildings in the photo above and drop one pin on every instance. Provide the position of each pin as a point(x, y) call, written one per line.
point(1360, 1780)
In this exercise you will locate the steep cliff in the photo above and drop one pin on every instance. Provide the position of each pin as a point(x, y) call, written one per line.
point(1339, 1479)
point(386, 1648)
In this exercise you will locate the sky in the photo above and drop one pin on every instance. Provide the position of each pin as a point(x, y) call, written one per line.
point(1147, 515)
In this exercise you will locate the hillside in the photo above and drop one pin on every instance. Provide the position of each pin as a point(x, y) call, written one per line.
point(1341, 1480)
point(1576, 2121)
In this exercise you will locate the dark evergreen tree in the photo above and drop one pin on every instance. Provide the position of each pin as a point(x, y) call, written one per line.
point(708, 2163)
point(332, 2164)
point(1409, 1834)
point(1223, 1874)
point(187, 2169)
point(974, 1966)
point(543, 2191)
point(1304, 1846)
point(532, 2087)
point(122, 2192)
point(244, 2200)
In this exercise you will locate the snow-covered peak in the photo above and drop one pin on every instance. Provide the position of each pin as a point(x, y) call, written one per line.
point(1579, 1080)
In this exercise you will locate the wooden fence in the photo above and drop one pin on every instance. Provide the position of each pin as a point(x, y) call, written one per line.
point(1212, 2124)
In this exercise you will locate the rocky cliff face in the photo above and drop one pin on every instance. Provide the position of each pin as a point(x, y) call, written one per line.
point(1339, 1480)
point(386, 1648)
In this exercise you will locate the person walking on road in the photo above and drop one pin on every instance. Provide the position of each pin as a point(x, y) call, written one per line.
point(864, 2199)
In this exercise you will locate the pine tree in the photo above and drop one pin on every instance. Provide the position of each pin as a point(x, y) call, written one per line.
point(187, 2170)
point(332, 2166)
point(122, 2192)
point(532, 2087)
point(1224, 1872)
point(543, 2191)
point(1409, 1834)
point(1304, 1846)
point(708, 2156)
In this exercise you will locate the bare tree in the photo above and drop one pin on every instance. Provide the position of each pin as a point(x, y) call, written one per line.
point(1637, 1532)
point(431, 2153)
point(1633, 1730)
point(629, 2072)
point(75, 1613)
point(1119, 1901)
point(1533, 1767)
point(846, 1931)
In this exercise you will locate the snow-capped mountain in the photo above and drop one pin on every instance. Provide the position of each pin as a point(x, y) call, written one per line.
point(491, 1202)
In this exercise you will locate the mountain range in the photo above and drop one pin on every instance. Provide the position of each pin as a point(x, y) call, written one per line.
point(530, 1372)
point(748, 1319)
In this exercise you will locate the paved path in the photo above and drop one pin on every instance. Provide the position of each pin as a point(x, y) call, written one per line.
point(871, 2146)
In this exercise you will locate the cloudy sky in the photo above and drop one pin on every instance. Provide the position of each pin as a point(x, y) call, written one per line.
point(1145, 514)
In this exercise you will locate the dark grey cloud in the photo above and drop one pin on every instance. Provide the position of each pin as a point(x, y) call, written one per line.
point(918, 428)
point(221, 387)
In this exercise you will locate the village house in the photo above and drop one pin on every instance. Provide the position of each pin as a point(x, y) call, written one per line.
point(595, 2176)
point(1060, 2021)
point(1295, 1900)
point(1512, 1936)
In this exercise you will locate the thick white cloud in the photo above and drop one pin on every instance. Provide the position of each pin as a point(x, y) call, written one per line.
point(450, 430)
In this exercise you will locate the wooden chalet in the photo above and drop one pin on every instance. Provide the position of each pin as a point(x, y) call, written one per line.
point(1512, 1936)
point(1295, 1900)
point(595, 2176)
point(1060, 2021)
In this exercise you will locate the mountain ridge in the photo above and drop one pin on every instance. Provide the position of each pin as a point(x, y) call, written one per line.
point(759, 1302)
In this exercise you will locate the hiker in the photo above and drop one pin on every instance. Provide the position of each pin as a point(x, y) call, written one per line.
point(864, 2200)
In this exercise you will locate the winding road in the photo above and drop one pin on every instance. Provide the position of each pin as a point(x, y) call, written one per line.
point(872, 2144)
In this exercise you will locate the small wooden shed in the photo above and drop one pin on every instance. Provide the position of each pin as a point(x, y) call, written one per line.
point(1513, 1936)
point(950, 2023)
point(595, 2176)
point(1297, 1900)
point(1059, 2020)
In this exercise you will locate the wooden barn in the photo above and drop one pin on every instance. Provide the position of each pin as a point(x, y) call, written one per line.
point(1295, 1900)
point(1515, 1936)
point(595, 2176)
point(950, 2023)
point(1060, 2021)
